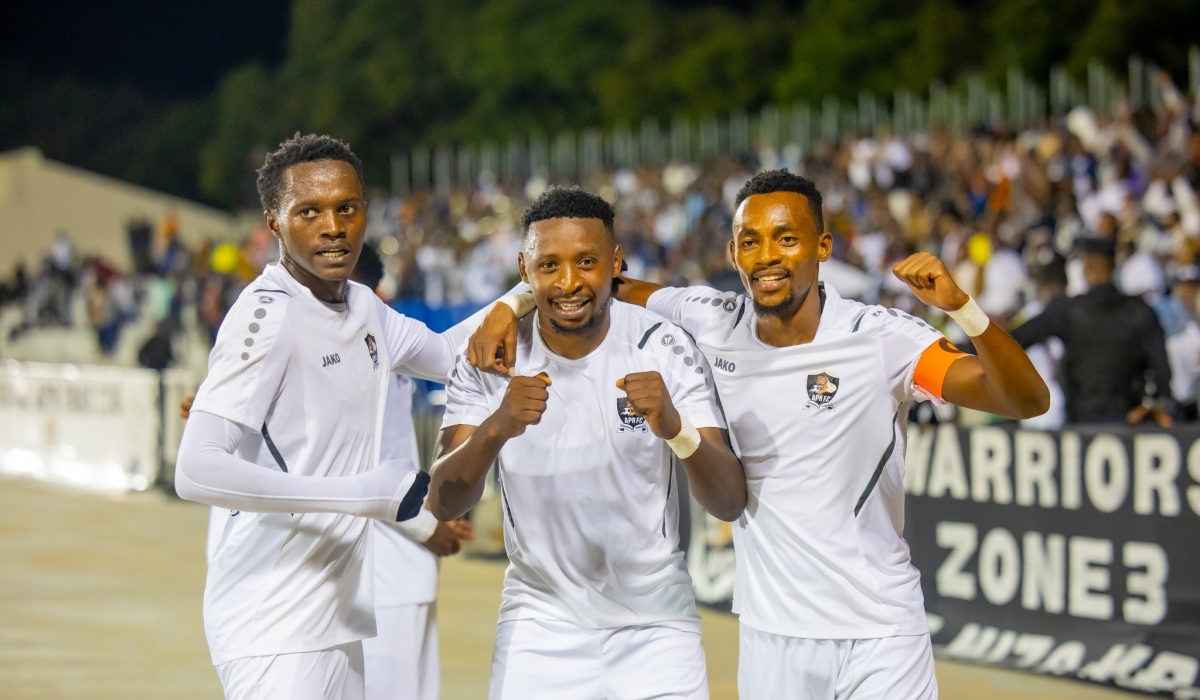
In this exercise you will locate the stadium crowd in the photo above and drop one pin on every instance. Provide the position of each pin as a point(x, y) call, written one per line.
point(1014, 214)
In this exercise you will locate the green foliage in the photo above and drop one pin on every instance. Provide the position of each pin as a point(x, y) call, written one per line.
point(386, 75)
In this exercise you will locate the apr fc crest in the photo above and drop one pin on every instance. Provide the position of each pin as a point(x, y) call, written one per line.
point(631, 422)
point(373, 349)
point(822, 387)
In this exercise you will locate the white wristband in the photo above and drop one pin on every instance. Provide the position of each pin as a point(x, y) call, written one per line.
point(686, 443)
point(521, 304)
point(971, 318)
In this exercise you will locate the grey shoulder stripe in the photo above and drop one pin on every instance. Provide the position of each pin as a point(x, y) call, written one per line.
point(277, 291)
point(274, 450)
point(858, 321)
point(887, 454)
point(642, 342)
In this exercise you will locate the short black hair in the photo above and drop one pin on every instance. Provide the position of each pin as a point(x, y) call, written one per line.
point(568, 203)
point(306, 148)
point(782, 180)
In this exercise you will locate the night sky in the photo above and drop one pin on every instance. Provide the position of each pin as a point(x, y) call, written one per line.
point(168, 49)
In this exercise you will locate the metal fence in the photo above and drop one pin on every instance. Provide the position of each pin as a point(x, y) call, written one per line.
point(571, 156)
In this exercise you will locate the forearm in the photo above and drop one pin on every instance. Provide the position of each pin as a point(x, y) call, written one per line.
point(208, 471)
point(716, 477)
point(636, 292)
point(1006, 382)
point(459, 476)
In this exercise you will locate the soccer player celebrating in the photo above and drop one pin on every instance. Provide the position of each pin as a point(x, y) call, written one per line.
point(286, 430)
point(814, 388)
point(597, 598)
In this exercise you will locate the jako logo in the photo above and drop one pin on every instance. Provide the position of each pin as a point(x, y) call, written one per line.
point(333, 359)
point(725, 365)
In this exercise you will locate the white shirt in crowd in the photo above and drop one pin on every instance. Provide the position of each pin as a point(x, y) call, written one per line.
point(820, 431)
point(589, 496)
point(307, 381)
point(406, 573)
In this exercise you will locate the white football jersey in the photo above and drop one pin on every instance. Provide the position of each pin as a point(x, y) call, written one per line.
point(309, 378)
point(589, 496)
point(406, 573)
point(820, 431)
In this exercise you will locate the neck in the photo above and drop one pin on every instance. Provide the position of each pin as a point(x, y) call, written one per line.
point(795, 327)
point(328, 291)
point(573, 345)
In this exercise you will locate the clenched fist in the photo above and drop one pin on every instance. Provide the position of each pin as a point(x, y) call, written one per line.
point(649, 398)
point(929, 279)
point(522, 406)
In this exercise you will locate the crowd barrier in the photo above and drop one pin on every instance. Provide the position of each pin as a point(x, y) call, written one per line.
point(101, 428)
point(1068, 553)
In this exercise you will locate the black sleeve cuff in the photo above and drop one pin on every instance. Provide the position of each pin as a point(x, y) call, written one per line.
point(411, 504)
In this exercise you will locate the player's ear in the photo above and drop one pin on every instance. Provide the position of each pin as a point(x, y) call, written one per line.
point(618, 258)
point(733, 252)
point(824, 246)
point(521, 267)
point(273, 224)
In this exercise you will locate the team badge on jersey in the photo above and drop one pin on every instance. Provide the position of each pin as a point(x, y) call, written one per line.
point(373, 349)
point(822, 387)
point(631, 422)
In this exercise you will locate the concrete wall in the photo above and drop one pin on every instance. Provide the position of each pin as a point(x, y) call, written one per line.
point(39, 197)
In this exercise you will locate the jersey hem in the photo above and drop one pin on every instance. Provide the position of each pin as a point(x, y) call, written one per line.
point(865, 632)
point(302, 648)
point(683, 625)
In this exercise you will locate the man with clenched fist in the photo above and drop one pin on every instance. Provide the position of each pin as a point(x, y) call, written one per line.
point(815, 388)
point(597, 598)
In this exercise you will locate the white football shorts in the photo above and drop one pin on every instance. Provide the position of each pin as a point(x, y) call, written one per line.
point(329, 674)
point(402, 662)
point(555, 660)
point(891, 668)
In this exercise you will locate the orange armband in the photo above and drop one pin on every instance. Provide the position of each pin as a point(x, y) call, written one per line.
point(932, 366)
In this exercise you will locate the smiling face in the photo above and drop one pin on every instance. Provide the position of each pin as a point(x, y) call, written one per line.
point(569, 265)
point(776, 248)
point(321, 219)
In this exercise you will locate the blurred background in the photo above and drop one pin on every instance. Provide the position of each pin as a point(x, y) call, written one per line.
point(995, 134)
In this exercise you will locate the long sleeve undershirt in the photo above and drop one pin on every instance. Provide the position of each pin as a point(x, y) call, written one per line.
point(210, 471)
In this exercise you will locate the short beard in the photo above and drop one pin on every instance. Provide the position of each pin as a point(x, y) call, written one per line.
point(779, 310)
point(583, 329)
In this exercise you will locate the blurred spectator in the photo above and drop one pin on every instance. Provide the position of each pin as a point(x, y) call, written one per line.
point(1183, 339)
point(1050, 280)
point(1114, 356)
point(156, 352)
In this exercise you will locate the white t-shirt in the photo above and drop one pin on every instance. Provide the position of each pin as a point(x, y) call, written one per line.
point(406, 573)
point(589, 496)
point(821, 434)
point(309, 378)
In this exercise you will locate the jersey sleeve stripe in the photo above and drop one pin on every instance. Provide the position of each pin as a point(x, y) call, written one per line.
point(858, 321)
point(276, 291)
point(274, 450)
point(887, 454)
point(741, 312)
point(933, 364)
point(642, 342)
